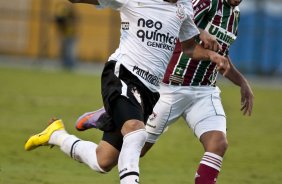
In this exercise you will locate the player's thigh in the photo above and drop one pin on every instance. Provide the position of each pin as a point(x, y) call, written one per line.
point(207, 112)
point(213, 127)
point(167, 110)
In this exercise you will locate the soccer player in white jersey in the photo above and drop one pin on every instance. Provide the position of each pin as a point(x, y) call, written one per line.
point(194, 81)
point(130, 82)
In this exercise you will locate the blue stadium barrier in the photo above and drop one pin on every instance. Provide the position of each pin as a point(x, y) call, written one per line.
point(242, 50)
point(258, 48)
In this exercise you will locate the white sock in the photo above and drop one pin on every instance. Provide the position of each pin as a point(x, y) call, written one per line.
point(212, 160)
point(82, 151)
point(128, 162)
point(85, 151)
point(58, 137)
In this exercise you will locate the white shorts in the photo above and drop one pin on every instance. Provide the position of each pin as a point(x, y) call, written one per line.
point(200, 106)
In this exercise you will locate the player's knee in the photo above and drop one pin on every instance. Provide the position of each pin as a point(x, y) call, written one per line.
point(132, 125)
point(215, 142)
point(218, 147)
point(222, 145)
point(106, 166)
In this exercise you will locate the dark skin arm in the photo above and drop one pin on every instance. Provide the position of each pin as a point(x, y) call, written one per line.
point(238, 79)
point(209, 41)
point(198, 52)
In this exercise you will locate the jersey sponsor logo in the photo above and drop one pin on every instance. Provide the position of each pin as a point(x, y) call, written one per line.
point(221, 34)
point(151, 32)
point(146, 75)
point(125, 25)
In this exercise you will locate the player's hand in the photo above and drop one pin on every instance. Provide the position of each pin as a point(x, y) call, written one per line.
point(222, 63)
point(247, 99)
point(209, 41)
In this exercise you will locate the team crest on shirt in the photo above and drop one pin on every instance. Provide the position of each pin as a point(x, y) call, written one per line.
point(180, 13)
point(179, 70)
point(136, 94)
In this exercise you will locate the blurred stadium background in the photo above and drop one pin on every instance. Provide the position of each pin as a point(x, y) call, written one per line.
point(27, 29)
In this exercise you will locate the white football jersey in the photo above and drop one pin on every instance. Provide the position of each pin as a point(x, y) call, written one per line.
point(149, 30)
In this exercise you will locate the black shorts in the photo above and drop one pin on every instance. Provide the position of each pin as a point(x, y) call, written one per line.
point(125, 97)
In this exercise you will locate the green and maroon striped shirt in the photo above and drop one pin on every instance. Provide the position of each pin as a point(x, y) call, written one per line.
point(219, 19)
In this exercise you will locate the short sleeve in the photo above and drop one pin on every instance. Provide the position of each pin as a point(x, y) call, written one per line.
point(188, 28)
point(201, 8)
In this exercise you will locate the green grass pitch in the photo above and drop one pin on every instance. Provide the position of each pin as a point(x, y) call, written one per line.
point(28, 98)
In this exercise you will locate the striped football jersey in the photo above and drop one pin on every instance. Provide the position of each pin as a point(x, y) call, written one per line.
point(219, 19)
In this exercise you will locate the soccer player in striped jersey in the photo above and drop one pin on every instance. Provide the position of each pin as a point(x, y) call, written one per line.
point(189, 90)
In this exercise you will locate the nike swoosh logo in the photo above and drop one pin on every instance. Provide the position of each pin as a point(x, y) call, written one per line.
point(136, 180)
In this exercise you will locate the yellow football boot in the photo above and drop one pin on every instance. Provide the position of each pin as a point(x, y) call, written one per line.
point(42, 138)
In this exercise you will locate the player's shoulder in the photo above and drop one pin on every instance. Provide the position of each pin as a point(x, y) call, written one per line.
point(188, 6)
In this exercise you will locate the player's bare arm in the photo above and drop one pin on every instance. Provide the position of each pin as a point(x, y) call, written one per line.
point(209, 41)
point(94, 2)
point(247, 96)
point(198, 52)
